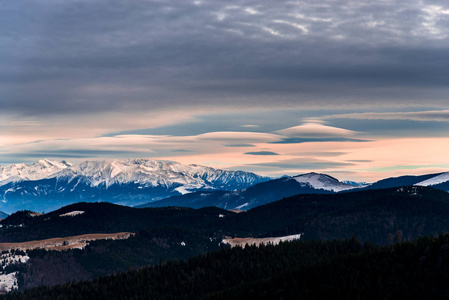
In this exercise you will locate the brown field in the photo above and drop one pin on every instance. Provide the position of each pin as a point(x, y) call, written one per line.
point(257, 241)
point(62, 243)
point(236, 210)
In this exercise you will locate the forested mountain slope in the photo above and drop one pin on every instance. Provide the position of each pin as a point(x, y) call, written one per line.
point(294, 270)
point(381, 217)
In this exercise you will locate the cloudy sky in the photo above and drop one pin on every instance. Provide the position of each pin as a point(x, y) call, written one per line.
point(355, 89)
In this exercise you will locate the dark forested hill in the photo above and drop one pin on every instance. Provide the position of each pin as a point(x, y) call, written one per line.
point(102, 218)
point(381, 217)
point(295, 270)
point(412, 270)
point(374, 215)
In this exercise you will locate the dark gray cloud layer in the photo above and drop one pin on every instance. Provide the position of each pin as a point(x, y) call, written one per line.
point(262, 153)
point(77, 57)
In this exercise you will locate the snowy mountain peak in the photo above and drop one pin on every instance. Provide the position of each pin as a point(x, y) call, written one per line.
point(45, 162)
point(66, 163)
point(35, 171)
point(316, 176)
point(323, 181)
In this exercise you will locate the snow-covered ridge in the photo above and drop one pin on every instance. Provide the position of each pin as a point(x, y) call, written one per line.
point(144, 172)
point(36, 171)
point(152, 173)
point(324, 182)
point(8, 281)
point(435, 180)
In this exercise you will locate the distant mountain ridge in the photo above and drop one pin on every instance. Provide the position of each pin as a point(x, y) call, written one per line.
point(310, 183)
point(355, 183)
point(3, 215)
point(48, 185)
point(259, 194)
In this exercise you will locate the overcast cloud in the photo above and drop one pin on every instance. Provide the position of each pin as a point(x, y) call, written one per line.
point(73, 57)
point(217, 71)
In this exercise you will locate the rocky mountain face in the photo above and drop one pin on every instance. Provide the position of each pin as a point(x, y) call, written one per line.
point(48, 185)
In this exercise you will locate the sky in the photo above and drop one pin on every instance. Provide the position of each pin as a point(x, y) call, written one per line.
point(355, 89)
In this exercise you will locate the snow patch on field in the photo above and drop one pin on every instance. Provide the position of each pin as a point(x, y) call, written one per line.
point(8, 282)
point(9, 258)
point(72, 213)
point(242, 242)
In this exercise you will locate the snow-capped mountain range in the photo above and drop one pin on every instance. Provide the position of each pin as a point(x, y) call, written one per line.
point(154, 173)
point(48, 184)
point(139, 171)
